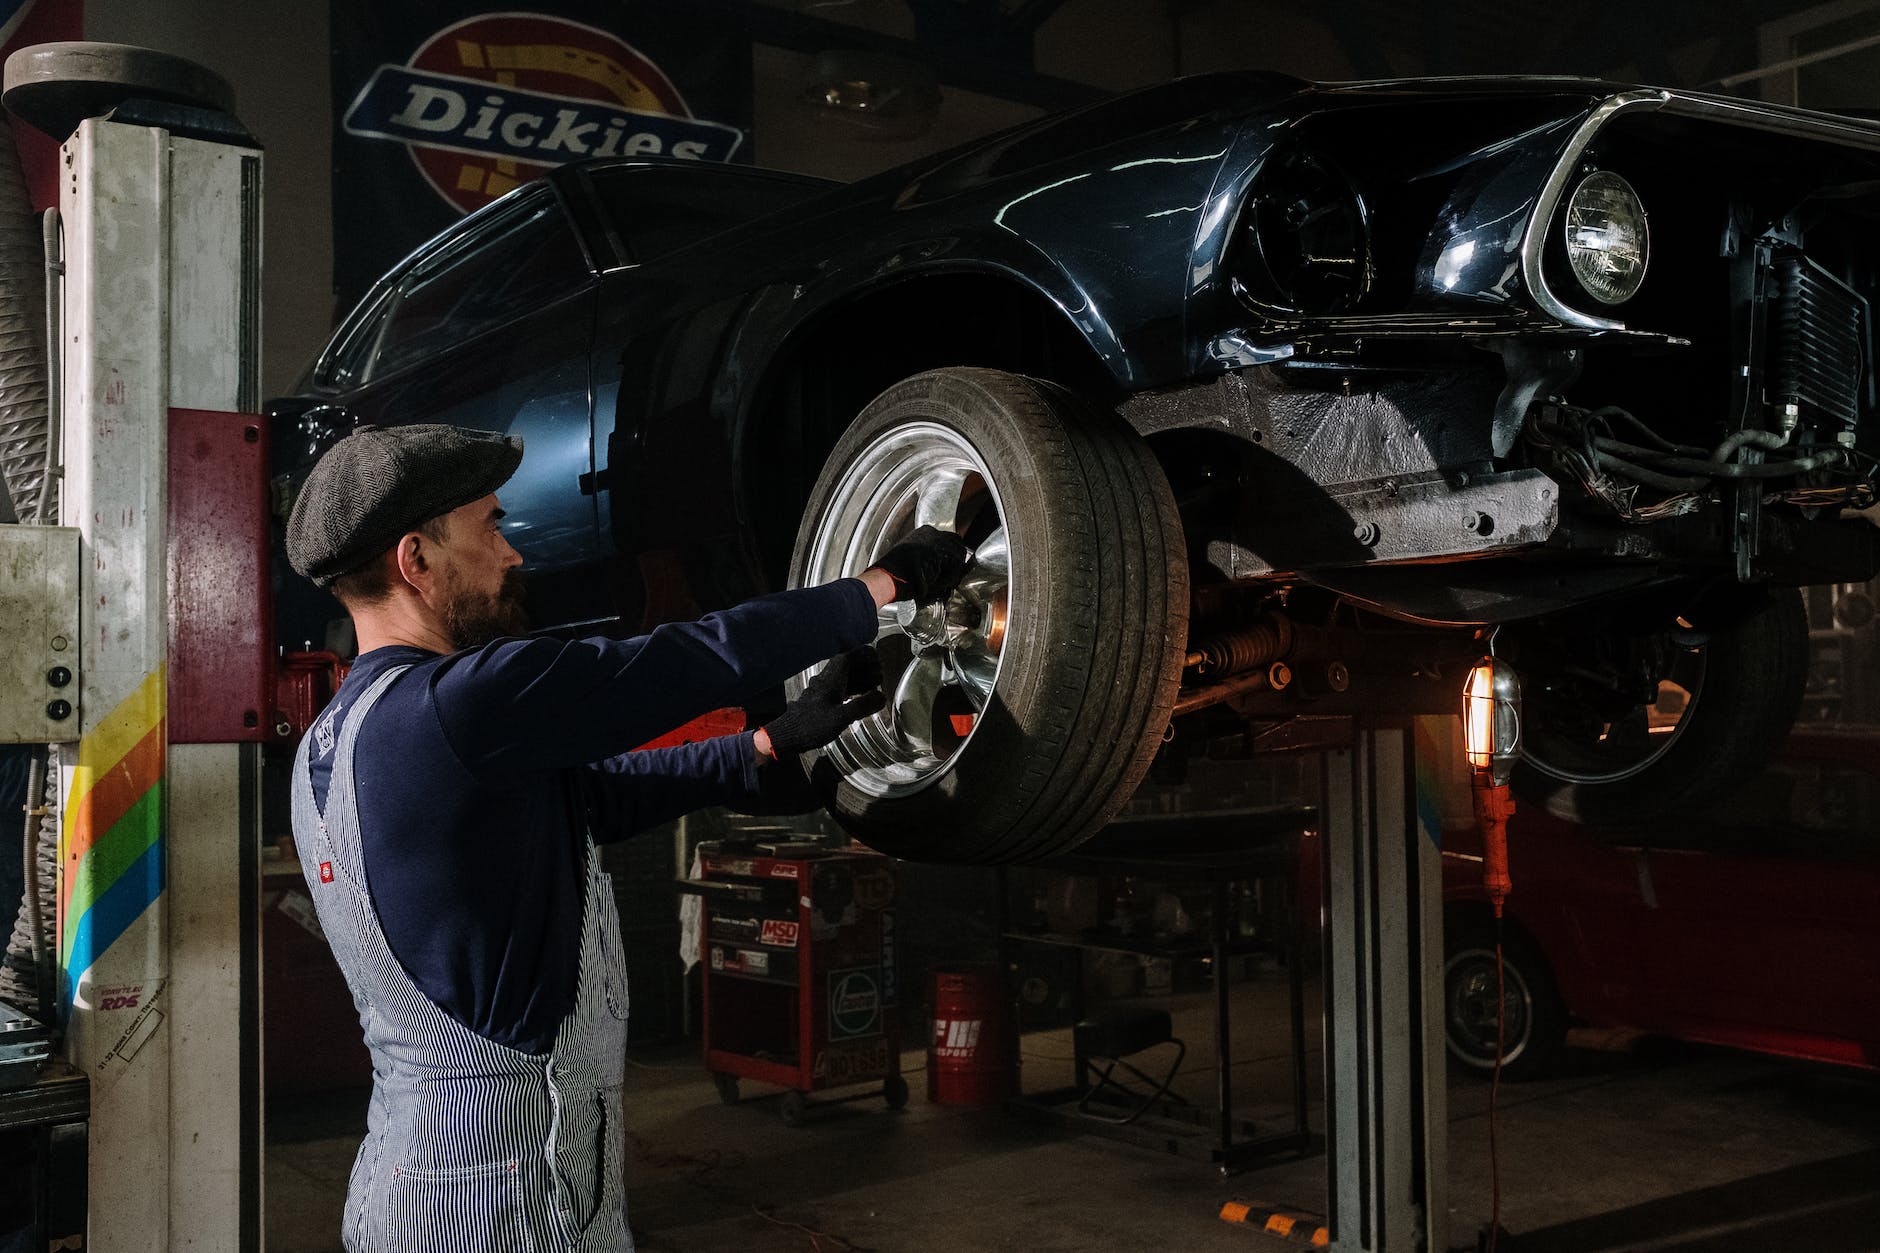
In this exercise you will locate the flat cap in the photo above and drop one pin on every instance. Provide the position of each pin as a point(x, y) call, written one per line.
point(381, 482)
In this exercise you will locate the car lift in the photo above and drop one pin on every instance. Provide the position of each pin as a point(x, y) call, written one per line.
point(1389, 766)
point(161, 673)
point(159, 763)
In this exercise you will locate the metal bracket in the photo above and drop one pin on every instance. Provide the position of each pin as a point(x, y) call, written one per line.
point(39, 649)
point(1397, 520)
point(1534, 373)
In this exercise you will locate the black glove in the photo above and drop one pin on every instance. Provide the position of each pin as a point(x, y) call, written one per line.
point(844, 691)
point(926, 565)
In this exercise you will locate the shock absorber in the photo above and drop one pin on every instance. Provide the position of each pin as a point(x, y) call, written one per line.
point(1255, 647)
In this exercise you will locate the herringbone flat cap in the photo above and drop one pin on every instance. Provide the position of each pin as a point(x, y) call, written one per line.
point(381, 482)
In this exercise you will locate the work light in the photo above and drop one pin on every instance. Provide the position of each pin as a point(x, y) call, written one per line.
point(1491, 719)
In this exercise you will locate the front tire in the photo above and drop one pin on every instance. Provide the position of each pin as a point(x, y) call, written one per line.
point(1025, 709)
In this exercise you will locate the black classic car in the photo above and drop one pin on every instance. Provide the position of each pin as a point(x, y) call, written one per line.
point(1256, 398)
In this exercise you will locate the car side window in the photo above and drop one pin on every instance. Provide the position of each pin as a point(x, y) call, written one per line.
point(346, 366)
point(661, 210)
point(515, 263)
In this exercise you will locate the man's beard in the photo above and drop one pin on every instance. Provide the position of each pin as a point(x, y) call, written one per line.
point(472, 620)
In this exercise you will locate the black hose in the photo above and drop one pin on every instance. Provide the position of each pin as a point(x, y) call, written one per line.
point(1638, 424)
point(1762, 439)
point(1731, 470)
point(1651, 478)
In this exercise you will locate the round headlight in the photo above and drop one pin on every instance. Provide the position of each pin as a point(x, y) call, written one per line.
point(1607, 241)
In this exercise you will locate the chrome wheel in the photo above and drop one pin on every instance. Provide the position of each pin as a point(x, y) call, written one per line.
point(1469, 994)
point(940, 661)
point(1638, 710)
point(1023, 709)
point(1579, 738)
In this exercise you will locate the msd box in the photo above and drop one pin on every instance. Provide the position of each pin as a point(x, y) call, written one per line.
point(39, 643)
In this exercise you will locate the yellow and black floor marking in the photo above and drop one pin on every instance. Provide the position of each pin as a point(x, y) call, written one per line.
point(1305, 1228)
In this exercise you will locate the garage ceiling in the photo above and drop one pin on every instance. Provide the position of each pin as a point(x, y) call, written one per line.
point(986, 45)
point(1678, 43)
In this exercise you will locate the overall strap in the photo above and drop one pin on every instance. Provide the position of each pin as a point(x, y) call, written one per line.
point(339, 821)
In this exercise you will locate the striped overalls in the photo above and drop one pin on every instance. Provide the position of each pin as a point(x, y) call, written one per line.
point(470, 1146)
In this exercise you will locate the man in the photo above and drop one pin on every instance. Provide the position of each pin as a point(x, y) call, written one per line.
point(445, 807)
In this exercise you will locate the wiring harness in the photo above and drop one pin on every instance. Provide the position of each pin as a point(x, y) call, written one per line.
point(1644, 476)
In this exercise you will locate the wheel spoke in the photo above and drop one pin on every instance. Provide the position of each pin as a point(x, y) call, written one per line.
point(914, 700)
point(1630, 736)
point(991, 567)
point(871, 742)
point(976, 671)
point(886, 623)
point(1687, 670)
point(939, 503)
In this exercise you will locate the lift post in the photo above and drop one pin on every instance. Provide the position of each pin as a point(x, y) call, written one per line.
point(157, 934)
point(1386, 1099)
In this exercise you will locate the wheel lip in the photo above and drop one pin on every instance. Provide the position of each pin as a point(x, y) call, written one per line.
point(1565, 775)
point(1517, 983)
point(824, 563)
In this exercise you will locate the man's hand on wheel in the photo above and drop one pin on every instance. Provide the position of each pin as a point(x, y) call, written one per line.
point(846, 690)
point(926, 565)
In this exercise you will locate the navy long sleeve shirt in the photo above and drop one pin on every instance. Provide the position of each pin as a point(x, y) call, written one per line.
point(478, 773)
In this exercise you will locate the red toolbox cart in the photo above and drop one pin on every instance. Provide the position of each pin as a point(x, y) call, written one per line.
point(799, 983)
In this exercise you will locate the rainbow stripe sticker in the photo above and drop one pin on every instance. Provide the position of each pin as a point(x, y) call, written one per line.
point(1432, 733)
point(111, 848)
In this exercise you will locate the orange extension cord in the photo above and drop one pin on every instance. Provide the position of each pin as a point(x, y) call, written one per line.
point(1493, 807)
point(1494, 1093)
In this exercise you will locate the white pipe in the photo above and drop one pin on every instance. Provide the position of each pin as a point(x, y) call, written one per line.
point(1796, 63)
point(55, 272)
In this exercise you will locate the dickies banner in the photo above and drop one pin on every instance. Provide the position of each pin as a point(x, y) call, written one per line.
point(439, 108)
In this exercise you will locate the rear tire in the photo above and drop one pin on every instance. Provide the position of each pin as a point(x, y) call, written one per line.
point(1024, 715)
point(1750, 671)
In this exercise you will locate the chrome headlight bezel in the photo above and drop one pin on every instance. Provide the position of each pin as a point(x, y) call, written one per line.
point(1606, 236)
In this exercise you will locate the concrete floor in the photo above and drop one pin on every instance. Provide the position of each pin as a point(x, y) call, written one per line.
point(1640, 1145)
